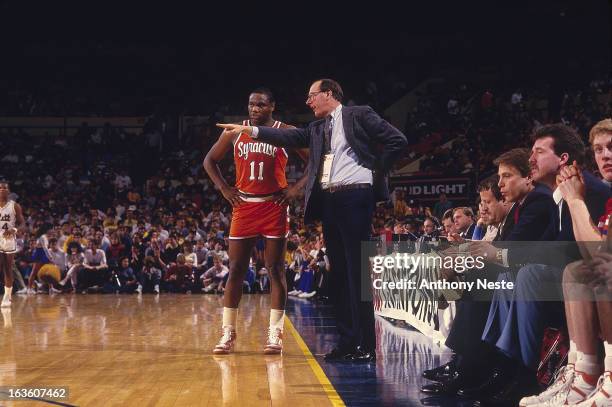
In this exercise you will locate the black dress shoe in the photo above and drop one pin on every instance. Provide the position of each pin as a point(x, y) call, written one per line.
point(487, 388)
point(436, 388)
point(441, 373)
point(514, 390)
point(363, 356)
point(450, 386)
point(338, 354)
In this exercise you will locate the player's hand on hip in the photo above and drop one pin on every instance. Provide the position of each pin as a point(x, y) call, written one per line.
point(235, 129)
point(287, 195)
point(232, 195)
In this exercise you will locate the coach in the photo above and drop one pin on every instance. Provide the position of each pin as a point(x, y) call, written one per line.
point(351, 150)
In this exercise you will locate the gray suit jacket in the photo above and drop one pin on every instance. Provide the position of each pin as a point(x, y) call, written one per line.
point(376, 143)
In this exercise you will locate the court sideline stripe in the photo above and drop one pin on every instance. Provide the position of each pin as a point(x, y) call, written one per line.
point(329, 389)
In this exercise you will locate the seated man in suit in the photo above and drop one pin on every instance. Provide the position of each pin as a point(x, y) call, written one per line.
point(448, 225)
point(518, 317)
point(463, 218)
point(534, 221)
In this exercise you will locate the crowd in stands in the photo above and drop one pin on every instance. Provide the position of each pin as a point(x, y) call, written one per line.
point(485, 121)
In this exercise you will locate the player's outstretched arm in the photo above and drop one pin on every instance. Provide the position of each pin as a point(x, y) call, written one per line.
point(283, 137)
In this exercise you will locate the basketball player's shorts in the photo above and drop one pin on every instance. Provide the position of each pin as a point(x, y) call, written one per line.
point(50, 273)
point(7, 246)
point(253, 219)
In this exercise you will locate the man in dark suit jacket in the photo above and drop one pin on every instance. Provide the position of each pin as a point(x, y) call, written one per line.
point(351, 150)
point(463, 218)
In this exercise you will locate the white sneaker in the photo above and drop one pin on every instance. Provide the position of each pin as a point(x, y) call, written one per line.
point(295, 293)
point(561, 385)
point(577, 391)
point(31, 291)
point(139, 289)
point(24, 290)
point(62, 283)
point(602, 395)
point(156, 289)
point(274, 346)
point(308, 295)
point(6, 302)
point(227, 341)
point(292, 292)
point(53, 290)
point(38, 285)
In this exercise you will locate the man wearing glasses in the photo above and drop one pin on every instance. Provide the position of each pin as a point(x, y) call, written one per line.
point(351, 150)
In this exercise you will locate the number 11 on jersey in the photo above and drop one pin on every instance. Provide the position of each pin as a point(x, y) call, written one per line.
point(260, 177)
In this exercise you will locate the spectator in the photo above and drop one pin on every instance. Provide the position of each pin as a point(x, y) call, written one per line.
point(400, 208)
point(214, 276)
point(58, 257)
point(442, 206)
point(179, 278)
point(115, 251)
point(149, 277)
point(75, 261)
point(94, 272)
point(430, 233)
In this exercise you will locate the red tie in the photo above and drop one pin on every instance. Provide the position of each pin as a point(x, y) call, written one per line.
point(516, 214)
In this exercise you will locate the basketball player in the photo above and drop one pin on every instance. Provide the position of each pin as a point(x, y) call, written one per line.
point(259, 202)
point(11, 219)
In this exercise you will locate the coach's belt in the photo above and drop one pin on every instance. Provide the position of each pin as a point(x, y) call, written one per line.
point(337, 188)
point(258, 198)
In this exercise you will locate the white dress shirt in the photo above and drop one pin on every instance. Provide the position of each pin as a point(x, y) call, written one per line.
point(344, 170)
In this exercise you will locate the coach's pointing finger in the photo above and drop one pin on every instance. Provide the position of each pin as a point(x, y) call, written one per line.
point(235, 129)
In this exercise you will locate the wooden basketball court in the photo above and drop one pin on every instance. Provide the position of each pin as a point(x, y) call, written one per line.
point(122, 350)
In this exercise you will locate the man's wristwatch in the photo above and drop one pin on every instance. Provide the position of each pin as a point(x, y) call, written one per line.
point(499, 256)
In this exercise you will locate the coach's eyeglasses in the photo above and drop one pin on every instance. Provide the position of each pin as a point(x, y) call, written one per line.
point(313, 94)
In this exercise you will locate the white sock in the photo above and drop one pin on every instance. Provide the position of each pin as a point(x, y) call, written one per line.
point(588, 364)
point(230, 316)
point(572, 355)
point(277, 318)
point(608, 359)
point(7, 292)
